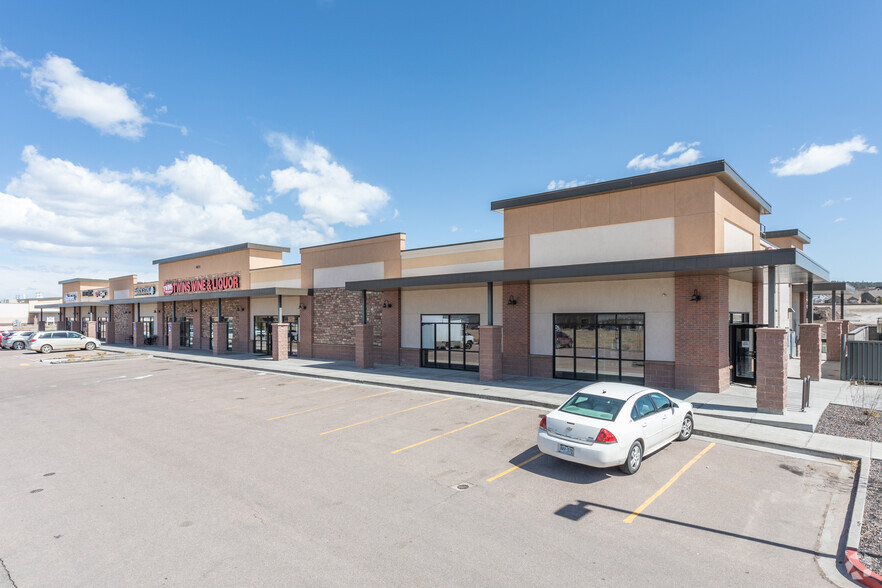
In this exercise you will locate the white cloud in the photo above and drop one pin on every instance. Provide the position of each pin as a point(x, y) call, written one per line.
point(454, 229)
point(839, 220)
point(677, 154)
point(828, 203)
point(817, 159)
point(326, 190)
point(58, 208)
point(561, 184)
point(11, 59)
point(69, 94)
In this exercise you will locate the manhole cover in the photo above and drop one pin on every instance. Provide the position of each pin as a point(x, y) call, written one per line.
point(463, 486)
point(49, 474)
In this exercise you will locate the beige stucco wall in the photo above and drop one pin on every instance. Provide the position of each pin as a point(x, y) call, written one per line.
point(625, 241)
point(283, 276)
point(741, 297)
point(232, 262)
point(269, 306)
point(444, 301)
point(385, 249)
point(654, 298)
point(465, 257)
point(786, 242)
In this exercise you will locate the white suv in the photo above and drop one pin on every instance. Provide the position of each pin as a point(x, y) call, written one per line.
point(49, 341)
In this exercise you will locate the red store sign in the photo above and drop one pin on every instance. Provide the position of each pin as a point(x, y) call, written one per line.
point(202, 285)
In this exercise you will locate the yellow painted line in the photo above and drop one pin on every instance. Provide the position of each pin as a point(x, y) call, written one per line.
point(194, 400)
point(329, 405)
point(23, 365)
point(286, 396)
point(457, 430)
point(511, 469)
point(384, 416)
point(630, 518)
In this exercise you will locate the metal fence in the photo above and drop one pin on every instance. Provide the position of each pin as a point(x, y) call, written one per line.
point(861, 361)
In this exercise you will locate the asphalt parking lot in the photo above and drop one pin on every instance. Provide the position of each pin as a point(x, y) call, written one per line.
point(152, 472)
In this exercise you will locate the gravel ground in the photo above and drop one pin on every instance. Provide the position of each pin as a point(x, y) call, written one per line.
point(844, 421)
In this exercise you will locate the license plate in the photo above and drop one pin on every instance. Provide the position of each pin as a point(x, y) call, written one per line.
point(565, 449)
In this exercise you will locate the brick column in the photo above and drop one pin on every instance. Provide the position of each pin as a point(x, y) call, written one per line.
point(834, 339)
point(158, 328)
point(280, 341)
point(219, 338)
point(110, 337)
point(364, 346)
point(91, 329)
point(137, 334)
point(516, 328)
point(490, 353)
point(41, 325)
point(304, 346)
point(174, 336)
point(810, 351)
point(701, 333)
point(771, 370)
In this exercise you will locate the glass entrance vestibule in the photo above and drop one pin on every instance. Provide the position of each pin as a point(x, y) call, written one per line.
point(450, 341)
point(263, 331)
point(600, 346)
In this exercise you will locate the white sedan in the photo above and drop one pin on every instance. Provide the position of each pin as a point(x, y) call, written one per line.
point(611, 424)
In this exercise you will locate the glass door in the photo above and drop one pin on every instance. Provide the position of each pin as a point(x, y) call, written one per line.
point(450, 341)
point(187, 332)
point(742, 353)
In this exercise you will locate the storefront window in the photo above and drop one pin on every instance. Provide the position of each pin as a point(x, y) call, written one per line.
point(450, 341)
point(599, 347)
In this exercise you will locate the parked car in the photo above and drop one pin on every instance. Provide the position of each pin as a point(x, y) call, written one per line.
point(561, 340)
point(49, 341)
point(16, 339)
point(613, 424)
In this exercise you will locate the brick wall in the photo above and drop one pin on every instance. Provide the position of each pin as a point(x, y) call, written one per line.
point(336, 311)
point(122, 316)
point(409, 357)
point(389, 353)
point(516, 329)
point(758, 302)
point(810, 351)
point(701, 333)
point(659, 374)
point(541, 366)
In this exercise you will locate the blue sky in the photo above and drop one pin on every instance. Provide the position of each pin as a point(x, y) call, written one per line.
point(134, 132)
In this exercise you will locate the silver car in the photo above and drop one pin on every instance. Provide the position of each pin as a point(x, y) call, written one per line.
point(49, 341)
point(17, 340)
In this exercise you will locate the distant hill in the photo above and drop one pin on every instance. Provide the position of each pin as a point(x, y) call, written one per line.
point(865, 285)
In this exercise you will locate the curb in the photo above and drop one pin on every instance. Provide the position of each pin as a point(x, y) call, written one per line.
point(859, 572)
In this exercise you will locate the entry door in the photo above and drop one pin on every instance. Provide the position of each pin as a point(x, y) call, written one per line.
point(742, 353)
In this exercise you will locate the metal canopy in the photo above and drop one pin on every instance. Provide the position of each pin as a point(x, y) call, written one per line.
point(793, 267)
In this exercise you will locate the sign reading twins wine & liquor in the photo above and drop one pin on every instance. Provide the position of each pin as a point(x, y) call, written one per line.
point(201, 285)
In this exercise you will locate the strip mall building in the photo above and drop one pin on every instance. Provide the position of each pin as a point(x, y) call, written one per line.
point(658, 279)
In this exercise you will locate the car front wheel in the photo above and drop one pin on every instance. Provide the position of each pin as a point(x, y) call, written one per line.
point(90, 346)
point(46, 349)
point(686, 428)
point(635, 458)
point(18, 345)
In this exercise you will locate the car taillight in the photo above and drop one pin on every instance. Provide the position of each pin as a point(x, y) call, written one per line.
point(605, 436)
point(32, 340)
point(542, 425)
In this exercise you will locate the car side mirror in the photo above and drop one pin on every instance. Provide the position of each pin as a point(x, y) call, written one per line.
point(675, 405)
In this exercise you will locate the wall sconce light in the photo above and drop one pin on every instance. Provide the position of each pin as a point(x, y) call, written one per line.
point(695, 296)
point(302, 306)
point(511, 300)
point(242, 309)
point(387, 304)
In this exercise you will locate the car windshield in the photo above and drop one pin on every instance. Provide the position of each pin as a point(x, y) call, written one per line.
point(594, 406)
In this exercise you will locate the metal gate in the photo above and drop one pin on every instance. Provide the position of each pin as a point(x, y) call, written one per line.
point(862, 361)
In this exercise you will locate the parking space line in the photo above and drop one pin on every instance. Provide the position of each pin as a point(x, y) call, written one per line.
point(630, 518)
point(286, 396)
point(384, 416)
point(328, 405)
point(513, 468)
point(457, 430)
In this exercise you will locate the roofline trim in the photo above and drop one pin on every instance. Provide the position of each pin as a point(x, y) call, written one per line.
point(787, 233)
point(716, 168)
point(227, 249)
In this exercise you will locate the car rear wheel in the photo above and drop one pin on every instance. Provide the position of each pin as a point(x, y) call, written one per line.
point(46, 349)
point(635, 458)
point(18, 345)
point(90, 346)
point(686, 428)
